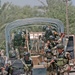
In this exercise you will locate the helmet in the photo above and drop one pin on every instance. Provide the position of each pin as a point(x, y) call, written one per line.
point(48, 51)
point(44, 28)
point(60, 46)
point(51, 37)
point(12, 54)
point(27, 54)
point(47, 29)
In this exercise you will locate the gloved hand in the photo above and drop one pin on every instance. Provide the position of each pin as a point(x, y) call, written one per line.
point(26, 68)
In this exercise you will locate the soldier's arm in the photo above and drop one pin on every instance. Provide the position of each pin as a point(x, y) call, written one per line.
point(47, 64)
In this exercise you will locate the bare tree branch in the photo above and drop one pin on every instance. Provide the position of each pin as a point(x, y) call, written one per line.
point(42, 2)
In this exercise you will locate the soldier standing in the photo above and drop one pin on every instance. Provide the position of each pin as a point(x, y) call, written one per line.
point(15, 66)
point(62, 60)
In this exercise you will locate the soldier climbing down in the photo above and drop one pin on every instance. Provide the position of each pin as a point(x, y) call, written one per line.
point(62, 60)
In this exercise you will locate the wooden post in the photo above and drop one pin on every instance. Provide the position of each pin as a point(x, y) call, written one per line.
point(27, 42)
point(67, 21)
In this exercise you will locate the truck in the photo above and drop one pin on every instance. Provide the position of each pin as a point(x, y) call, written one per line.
point(55, 24)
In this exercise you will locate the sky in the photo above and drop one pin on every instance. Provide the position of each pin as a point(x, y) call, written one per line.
point(24, 2)
point(27, 2)
point(73, 1)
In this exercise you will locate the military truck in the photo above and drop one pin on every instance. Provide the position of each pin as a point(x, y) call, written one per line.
point(31, 25)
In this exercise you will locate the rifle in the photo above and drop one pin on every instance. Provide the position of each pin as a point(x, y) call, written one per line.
point(26, 67)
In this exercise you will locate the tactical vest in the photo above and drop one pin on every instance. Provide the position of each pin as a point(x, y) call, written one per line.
point(29, 63)
point(17, 67)
point(48, 59)
point(61, 61)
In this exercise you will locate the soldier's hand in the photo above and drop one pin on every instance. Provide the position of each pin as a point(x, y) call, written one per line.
point(45, 59)
point(26, 69)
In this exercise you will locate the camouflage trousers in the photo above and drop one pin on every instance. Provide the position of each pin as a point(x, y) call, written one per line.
point(51, 73)
point(55, 73)
point(62, 71)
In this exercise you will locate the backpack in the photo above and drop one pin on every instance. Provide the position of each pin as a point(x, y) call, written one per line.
point(17, 67)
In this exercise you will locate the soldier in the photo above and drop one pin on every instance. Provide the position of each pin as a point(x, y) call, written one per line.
point(50, 62)
point(55, 33)
point(49, 46)
point(48, 32)
point(27, 61)
point(52, 40)
point(15, 66)
point(61, 60)
point(2, 65)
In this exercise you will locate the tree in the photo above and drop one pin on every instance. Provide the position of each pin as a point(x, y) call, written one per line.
point(54, 9)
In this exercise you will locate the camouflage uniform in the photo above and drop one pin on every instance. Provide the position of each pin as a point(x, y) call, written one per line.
point(50, 62)
point(27, 61)
point(61, 60)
